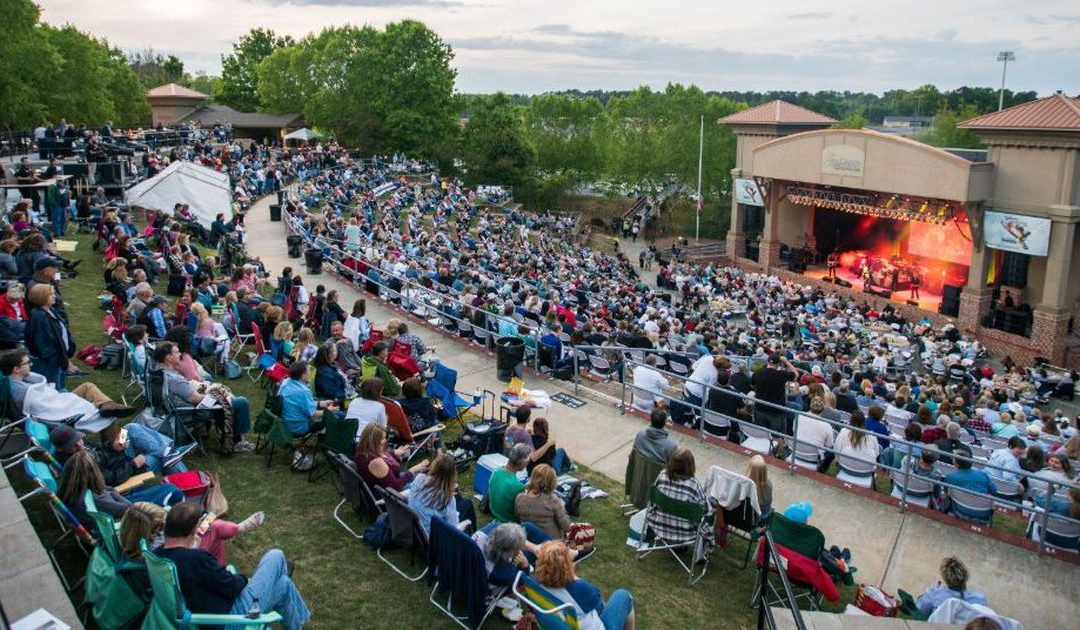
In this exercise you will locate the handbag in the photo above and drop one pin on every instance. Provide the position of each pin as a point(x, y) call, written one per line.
point(215, 498)
point(873, 600)
point(193, 483)
point(231, 369)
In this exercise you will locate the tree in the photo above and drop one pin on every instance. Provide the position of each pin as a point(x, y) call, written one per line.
point(945, 132)
point(202, 82)
point(495, 146)
point(239, 83)
point(20, 82)
point(153, 69)
point(852, 121)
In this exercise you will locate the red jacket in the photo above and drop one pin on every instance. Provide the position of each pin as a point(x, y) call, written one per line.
point(13, 310)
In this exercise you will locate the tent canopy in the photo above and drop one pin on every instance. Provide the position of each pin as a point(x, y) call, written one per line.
point(303, 134)
point(205, 190)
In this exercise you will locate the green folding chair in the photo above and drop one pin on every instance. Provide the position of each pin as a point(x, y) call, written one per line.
point(338, 436)
point(113, 599)
point(689, 511)
point(806, 540)
point(168, 610)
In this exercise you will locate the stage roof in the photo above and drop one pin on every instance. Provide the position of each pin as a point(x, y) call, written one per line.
point(1051, 113)
point(777, 113)
point(172, 90)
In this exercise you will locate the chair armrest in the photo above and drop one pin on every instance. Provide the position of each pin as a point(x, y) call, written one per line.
point(432, 429)
point(516, 588)
point(204, 619)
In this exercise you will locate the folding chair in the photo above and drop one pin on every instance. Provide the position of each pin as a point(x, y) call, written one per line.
point(115, 601)
point(1011, 493)
point(456, 404)
point(14, 444)
point(599, 366)
point(757, 438)
point(42, 476)
point(716, 423)
point(356, 492)
point(919, 489)
point(551, 612)
point(694, 513)
point(240, 339)
point(168, 604)
point(180, 420)
point(405, 531)
point(744, 521)
point(420, 440)
point(338, 436)
point(456, 564)
point(800, 538)
point(806, 455)
point(972, 507)
point(36, 439)
point(136, 375)
point(855, 471)
point(641, 474)
point(1060, 533)
point(259, 361)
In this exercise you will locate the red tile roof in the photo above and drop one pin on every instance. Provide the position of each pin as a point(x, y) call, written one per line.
point(777, 113)
point(172, 89)
point(1052, 112)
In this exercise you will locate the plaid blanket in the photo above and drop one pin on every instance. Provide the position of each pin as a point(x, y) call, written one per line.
point(673, 529)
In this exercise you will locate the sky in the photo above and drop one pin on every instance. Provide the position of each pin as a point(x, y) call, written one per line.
point(533, 46)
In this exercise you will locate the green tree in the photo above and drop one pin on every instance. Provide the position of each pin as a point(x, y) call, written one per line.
point(854, 120)
point(495, 146)
point(20, 81)
point(130, 106)
point(239, 83)
point(202, 82)
point(945, 132)
point(154, 69)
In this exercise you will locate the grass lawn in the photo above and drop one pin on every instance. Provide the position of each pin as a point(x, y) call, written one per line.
point(345, 584)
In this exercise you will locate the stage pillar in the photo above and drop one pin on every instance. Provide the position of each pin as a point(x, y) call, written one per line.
point(974, 305)
point(1048, 331)
point(1055, 292)
point(736, 236)
point(769, 250)
point(769, 254)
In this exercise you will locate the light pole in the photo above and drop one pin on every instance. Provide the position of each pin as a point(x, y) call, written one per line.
point(1005, 57)
point(700, 153)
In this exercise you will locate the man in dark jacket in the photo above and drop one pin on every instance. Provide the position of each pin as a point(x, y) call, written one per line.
point(247, 314)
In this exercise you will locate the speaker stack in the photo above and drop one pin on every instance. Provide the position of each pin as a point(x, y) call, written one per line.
point(950, 300)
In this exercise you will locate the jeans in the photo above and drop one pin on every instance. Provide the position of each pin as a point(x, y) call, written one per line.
point(57, 375)
point(58, 216)
point(151, 445)
point(241, 416)
point(560, 461)
point(616, 609)
point(163, 494)
point(273, 588)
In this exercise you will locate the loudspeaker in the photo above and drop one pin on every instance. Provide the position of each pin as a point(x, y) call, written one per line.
point(950, 300)
point(881, 291)
point(912, 302)
point(108, 174)
point(795, 261)
point(78, 171)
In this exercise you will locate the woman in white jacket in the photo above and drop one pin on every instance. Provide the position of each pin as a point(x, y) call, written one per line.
point(859, 444)
point(357, 327)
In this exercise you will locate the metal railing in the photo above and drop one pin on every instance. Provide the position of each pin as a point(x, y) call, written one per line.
point(772, 559)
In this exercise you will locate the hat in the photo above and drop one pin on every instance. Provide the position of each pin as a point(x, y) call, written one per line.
point(45, 262)
point(774, 357)
point(1034, 430)
point(799, 512)
point(64, 438)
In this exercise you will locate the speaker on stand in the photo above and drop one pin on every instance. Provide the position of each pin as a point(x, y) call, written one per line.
point(950, 300)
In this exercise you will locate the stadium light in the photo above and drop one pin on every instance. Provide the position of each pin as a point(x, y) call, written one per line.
point(1005, 57)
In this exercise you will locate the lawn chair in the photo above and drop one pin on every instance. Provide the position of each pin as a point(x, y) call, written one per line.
point(420, 440)
point(551, 612)
point(169, 610)
point(136, 375)
point(240, 339)
point(641, 474)
point(338, 436)
point(36, 436)
point(805, 540)
point(405, 531)
point(179, 420)
point(694, 513)
point(455, 564)
point(259, 361)
point(356, 492)
point(456, 404)
point(115, 601)
point(42, 476)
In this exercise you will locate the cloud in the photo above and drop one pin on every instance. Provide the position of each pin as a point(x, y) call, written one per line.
point(810, 15)
point(362, 3)
point(1066, 20)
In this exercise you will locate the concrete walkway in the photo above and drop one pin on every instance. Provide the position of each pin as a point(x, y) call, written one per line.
point(889, 548)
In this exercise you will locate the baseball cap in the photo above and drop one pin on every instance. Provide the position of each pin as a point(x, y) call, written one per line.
point(64, 438)
point(45, 262)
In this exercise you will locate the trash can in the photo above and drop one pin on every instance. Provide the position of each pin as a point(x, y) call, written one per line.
point(275, 212)
point(313, 258)
point(509, 354)
point(296, 245)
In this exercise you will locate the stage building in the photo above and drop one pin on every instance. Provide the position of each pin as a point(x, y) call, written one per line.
point(983, 238)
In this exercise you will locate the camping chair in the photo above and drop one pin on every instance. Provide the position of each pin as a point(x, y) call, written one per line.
point(36, 436)
point(42, 476)
point(641, 474)
point(456, 404)
point(240, 339)
point(168, 603)
point(405, 531)
point(420, 440)
point(689, 511)
point(356, 492)
point(455, 564)
point(855, 471)
point(14, 444)
point(114, 601)
point(743, 520)
point(259, 361)
point(179, 420)
point(338, 436)
point(805, 540)
point(136, 376)
point(550, 612)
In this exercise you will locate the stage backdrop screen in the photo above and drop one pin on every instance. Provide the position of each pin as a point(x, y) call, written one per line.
point(1016, 233)
point(939, 242)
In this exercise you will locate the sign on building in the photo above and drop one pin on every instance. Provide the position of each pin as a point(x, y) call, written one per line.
point(748, 193)
point(1016, 233)
point(842, 159)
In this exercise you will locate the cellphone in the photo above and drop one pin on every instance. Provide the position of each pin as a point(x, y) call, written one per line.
point(122, 437)
point(205, 523)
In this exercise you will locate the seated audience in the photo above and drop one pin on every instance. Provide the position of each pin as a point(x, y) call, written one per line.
point(435, 493)
point(953, 584)
point(419, 409)
point(538, 505)
point(379, 466)
point(330, 384)
point(503, 487)
point(81, 473)
point(544, 449)
point(758, 472)
point(653, 441)
point(555, 572)
point(858, 444)
point(968, 478)
point(299, 410)
point(677, 482)
point(374, 366)
point(368, 408)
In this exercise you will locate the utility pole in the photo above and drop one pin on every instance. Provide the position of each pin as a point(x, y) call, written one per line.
point(700, 153)
point(1004, 57)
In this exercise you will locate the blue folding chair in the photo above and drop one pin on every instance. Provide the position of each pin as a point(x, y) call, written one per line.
point(551, 612)
point(443, 388)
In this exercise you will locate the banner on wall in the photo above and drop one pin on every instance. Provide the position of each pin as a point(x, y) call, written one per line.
point(1016, 233)
point(748, 193)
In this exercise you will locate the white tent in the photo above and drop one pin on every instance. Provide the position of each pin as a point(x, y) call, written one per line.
point(205, 190)
point(304, 134)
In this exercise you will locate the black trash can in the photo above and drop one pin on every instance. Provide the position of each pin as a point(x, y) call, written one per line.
point(509, 354)
point(275, 212)
point(296, 245)
point(313, 258)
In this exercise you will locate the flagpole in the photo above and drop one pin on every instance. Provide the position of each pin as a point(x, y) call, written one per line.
point(701, 151)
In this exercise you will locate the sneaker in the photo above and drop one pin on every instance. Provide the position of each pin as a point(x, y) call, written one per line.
point(584, 553)
point(507, 602)
point(513, 614)
point(243, 446)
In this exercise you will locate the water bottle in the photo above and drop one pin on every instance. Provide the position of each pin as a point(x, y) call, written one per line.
point(254, 612)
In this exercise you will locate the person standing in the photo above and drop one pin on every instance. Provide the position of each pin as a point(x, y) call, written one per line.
point(24, 175)
point(770, 386)
point(48, 338)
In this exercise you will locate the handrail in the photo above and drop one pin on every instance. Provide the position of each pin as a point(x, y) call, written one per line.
point(772, 559)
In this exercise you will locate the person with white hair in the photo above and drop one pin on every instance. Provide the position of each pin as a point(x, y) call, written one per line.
point(650, 384)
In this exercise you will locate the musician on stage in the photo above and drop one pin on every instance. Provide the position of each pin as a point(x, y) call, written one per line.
point(867, 276)
point(833, 261)
point(916, 280)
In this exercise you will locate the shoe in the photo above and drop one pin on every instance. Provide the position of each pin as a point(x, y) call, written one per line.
point(251, 522)
point(114, 409)
point(507, 602)
point(584, 553)
point(75, 371)
point(289, 564)
point(243, 446)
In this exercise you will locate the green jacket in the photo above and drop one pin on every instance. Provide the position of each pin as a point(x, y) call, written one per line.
point(371, 366)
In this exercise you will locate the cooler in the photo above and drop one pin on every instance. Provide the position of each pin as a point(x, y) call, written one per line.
point(486, 465)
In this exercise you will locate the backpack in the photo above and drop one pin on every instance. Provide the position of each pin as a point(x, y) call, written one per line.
point(573, 499)
point(111, 357)
point(231, 369)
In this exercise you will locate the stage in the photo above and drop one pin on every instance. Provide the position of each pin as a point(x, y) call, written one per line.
point(928, 299)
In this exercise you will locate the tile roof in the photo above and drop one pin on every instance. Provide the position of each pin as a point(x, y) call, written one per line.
point(777, 113)
point(172, 89)
point(1053, 112)
point(214, 114)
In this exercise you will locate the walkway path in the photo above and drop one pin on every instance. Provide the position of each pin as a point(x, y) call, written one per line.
point(889, 548)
